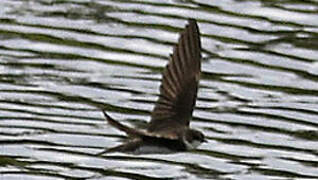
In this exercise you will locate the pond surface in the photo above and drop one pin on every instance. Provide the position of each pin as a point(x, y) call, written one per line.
point(61, 61)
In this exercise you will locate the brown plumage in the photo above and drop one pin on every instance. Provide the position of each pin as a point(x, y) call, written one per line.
point(179, 84)
point(170, 119)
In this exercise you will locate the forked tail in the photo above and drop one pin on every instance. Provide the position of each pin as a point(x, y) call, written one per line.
point(129, 131)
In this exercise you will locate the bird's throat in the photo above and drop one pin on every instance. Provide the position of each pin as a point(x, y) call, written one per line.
point(191, 145)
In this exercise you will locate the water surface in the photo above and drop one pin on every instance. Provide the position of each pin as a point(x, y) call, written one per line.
point(63, 61)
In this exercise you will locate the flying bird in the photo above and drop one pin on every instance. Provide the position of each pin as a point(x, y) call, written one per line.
point(169, 130)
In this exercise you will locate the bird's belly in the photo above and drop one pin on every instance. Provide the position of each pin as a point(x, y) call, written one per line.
point(148, 149)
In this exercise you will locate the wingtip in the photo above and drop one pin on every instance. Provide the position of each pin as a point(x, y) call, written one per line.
point(192, 21)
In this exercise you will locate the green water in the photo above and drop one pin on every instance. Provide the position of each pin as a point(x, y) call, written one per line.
point(62, 61)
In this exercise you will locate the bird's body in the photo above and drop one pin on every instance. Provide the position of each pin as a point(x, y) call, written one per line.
point(168, 130)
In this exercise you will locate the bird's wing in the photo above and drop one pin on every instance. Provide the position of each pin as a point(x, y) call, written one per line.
point(178, 90)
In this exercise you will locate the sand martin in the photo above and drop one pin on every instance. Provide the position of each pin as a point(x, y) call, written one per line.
point(168, 130)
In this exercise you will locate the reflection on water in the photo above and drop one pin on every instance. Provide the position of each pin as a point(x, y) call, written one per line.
point(62, 61)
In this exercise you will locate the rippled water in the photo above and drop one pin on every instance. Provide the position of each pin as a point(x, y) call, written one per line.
point(62, 61)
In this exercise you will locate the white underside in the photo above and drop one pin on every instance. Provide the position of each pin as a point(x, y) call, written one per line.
point(164, 150)
point(194, 144)
point(152, 150)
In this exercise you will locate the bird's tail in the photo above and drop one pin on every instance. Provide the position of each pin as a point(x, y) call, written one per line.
point(129, 131)
point(109, 150)
point(129, 147)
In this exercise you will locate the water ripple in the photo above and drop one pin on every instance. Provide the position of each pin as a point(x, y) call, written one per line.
point(63, 61)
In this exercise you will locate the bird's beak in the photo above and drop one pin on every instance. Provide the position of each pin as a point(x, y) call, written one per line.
point(205, 141)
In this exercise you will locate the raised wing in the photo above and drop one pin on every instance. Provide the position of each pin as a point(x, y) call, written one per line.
point(178, 90)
